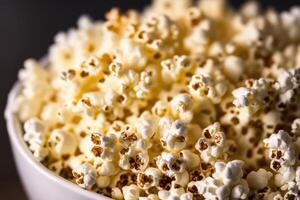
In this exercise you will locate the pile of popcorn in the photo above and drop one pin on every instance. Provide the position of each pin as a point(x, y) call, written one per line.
point(184, 101)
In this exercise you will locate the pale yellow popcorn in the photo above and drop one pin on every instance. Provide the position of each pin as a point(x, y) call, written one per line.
point(103, 146)
point(174, 134)
point(191, 159)
point(35, 135)
point(259, 180)
point(185, 100)
point(281, 148)
point(150, 178)
point(62, 143)
point(103, 181)
point(85, 175)
point(234, 68)
point(170, 163)
point(181, 179)
point(181, 107)
point(201, 85)
point(204, 85)
point(291, 21)
point(133, 159)
point(116, 194)
point(175, 193)
point(157, 33)
point(147, 81)
point(150, 197)
point(296, 127)
point(105, 168)
point(132, 54)
point(212, 142)
point(131, 192)
point(75, 161)
point(174, 69)
point(199, 38)
point(249, 35)
point(226, 182)
point(36, 90)
point(160, 108)
point(146, 125)
point(116, 68)
point(270, 121)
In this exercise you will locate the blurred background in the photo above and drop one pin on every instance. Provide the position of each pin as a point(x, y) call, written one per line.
point(27, 30)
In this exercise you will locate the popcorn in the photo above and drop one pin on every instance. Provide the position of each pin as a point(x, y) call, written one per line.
point(131, 192)
point(106, 168)
point(116, 193)
point(145, 85)
point(103, 181)
point(281, 150)
point(62, 143)
point(241, 97)
point(181, 106)
point(218, 5)
point(225, 183)
point(146, 127)
point(204, 86)
point(191, 159)
point(230, 172)
point(259, 179)
point(174, 135)
point(200, 37)
point(133, 159)
point(75, 161)
point(234, 68)
point(157, 33)
point(290, 20)
point(36, 90)
point(174, 69)
point(85, 175)
point(35, 136)
point(289, 83)
point(249, 35)
point(170, 163)
point(211, 143)
point(185, 100)
point(175, 194)
point(150, 197)
point(200, 85)
point(258, 95)
point(149, 179)
point(180, 179)
point(123, 178)
point(103, 146)
point(296, 127)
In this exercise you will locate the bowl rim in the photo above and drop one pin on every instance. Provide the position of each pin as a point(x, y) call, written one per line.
point(14, 129)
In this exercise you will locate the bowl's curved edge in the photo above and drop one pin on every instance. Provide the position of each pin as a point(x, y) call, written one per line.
point(15, 134)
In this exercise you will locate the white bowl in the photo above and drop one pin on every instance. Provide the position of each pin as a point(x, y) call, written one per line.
point(39, 182)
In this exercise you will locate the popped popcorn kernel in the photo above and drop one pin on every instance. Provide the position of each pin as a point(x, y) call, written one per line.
point(85, 176)
point(211, 144)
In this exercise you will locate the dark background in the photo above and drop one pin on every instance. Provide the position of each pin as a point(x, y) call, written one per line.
point(27, 28)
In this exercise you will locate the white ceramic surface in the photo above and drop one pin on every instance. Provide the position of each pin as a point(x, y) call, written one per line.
point(39, 182)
